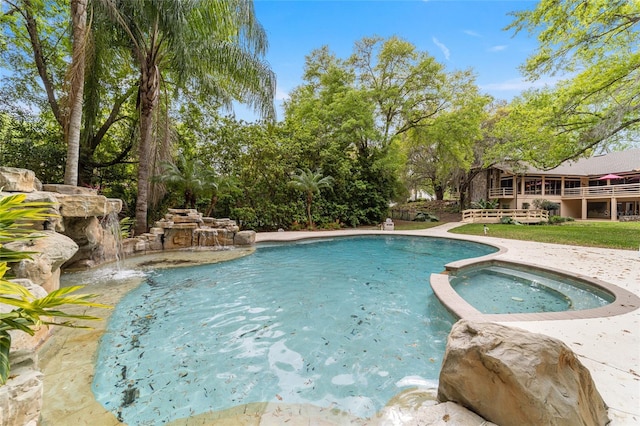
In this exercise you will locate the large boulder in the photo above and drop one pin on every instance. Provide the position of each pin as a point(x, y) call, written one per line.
point(87, 205)
point(96, 244)
point(13, 179)
point(245, 238)
point(51, 251)
point(513, 377)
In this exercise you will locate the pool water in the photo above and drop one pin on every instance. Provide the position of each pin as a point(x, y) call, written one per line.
point(345, 323)
point(507, 290)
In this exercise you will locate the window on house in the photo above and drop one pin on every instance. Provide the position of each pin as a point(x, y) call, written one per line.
point(553, 186)
point(533, 185)
point(572, 183)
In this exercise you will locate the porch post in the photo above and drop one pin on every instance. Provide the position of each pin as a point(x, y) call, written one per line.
point(614, 208)
point(584, 208)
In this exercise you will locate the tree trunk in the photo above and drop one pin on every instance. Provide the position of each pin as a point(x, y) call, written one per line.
point(439, 190)
point(76, 90)
point(309, 201)
point(149, 81)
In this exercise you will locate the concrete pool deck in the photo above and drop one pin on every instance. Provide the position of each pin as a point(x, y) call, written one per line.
point(609, 347)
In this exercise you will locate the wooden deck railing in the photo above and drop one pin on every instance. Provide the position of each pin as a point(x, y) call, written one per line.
point(501, 192)
point(606, 191)
point(629, 189)
point(495, 215)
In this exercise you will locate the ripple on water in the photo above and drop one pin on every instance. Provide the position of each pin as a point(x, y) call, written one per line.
point(347, 324)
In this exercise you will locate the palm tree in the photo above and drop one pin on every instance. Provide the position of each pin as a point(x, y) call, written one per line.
point(310, 183)
point(212, 47)
point(188, 177)
point(76, 86)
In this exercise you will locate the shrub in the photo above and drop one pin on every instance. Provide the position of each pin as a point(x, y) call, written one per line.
point(485, 204)
point(554, 220)
point(508, 220)
point(425, 217)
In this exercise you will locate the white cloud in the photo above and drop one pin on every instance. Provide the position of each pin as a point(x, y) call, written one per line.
point(472, 33)
point(281, 95)
point(441, 46)
point(519, 84)
point(498, 48)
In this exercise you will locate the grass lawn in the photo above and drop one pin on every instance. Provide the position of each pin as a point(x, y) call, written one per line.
point(618, 235)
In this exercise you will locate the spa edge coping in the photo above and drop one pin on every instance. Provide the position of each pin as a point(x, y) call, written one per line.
point(625, 301)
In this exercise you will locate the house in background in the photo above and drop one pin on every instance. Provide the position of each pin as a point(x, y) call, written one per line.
point(600, 187)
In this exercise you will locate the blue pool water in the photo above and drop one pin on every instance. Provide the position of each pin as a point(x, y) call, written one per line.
point(511, 290)
point(345, 323)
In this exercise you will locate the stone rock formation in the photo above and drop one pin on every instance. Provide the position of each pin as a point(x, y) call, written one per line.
point(21, 396)
point(186, 228)
point(51, 251)
point(18, 180)
point(513, 377)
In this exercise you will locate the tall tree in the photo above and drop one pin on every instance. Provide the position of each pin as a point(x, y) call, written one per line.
point(437, 152)
point(76, 88)
point(47, 66)
point(211, 47)
point(594, 45)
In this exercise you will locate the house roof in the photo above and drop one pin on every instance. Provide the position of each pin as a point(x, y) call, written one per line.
point(614, 162)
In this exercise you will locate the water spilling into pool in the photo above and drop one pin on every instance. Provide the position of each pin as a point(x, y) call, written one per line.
point(345, 323)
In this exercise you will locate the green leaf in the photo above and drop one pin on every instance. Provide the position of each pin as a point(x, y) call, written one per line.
point(5, 346)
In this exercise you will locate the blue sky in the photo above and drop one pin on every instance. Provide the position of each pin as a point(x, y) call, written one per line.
point(459, 34)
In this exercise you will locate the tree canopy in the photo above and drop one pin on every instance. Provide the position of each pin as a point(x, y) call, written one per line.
point(593, 45)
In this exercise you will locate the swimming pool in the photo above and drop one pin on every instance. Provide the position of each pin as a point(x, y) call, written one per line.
point(345, 323)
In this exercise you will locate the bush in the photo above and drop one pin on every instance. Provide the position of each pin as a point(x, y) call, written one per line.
point(331, 225)
point(508, 220)
point(485, 204)
point(425, 217)
point(554, 220)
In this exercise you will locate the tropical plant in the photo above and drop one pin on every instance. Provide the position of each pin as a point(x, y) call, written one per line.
point(125, 226)
point(188, 177)
point(212, 47)
point(310, 183)
point(29, 313)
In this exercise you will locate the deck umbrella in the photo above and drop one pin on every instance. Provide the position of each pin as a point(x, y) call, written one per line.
point(609, 176)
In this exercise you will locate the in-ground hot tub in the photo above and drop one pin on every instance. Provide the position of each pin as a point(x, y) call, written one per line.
point(496, 290)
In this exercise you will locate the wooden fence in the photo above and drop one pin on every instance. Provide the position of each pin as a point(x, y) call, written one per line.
point(496, 215)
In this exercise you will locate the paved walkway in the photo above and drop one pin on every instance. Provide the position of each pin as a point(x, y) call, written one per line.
point(608, 347)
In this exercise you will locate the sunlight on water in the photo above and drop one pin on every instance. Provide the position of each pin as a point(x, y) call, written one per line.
point(347, 324)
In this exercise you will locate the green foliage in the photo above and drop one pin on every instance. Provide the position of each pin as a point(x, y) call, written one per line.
point(425, 217)
point(29, 313)
point(189, 177)
point(506, 220)
point(554, 220)
point(310, 183)
point(485, 204)
point(543, 204)
point(594, 47)
point(32, 144)
point(125, 227)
